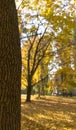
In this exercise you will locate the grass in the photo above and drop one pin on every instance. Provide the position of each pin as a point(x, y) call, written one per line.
point(49, 113)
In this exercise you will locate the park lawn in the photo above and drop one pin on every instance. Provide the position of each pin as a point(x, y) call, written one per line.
point(49, 113)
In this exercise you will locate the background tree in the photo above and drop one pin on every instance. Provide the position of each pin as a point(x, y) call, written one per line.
point(64, 79)
point(34, 33)
point(33, 53)
point(10, 67)
point(44, 75)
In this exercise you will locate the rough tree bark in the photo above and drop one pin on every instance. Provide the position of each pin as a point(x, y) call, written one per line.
point(10, 67)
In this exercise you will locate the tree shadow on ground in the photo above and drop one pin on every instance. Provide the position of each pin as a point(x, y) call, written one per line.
point(49, 114)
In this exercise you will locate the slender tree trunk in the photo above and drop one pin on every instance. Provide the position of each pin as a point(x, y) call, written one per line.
point(39, 91)
point(10, 67)
point(28, 99)
point(29, 89)
point(43, 92)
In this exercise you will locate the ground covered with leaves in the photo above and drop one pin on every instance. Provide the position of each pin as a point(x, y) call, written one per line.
point(49, 113)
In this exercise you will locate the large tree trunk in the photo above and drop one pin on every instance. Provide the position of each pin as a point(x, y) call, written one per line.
point(10, 67)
